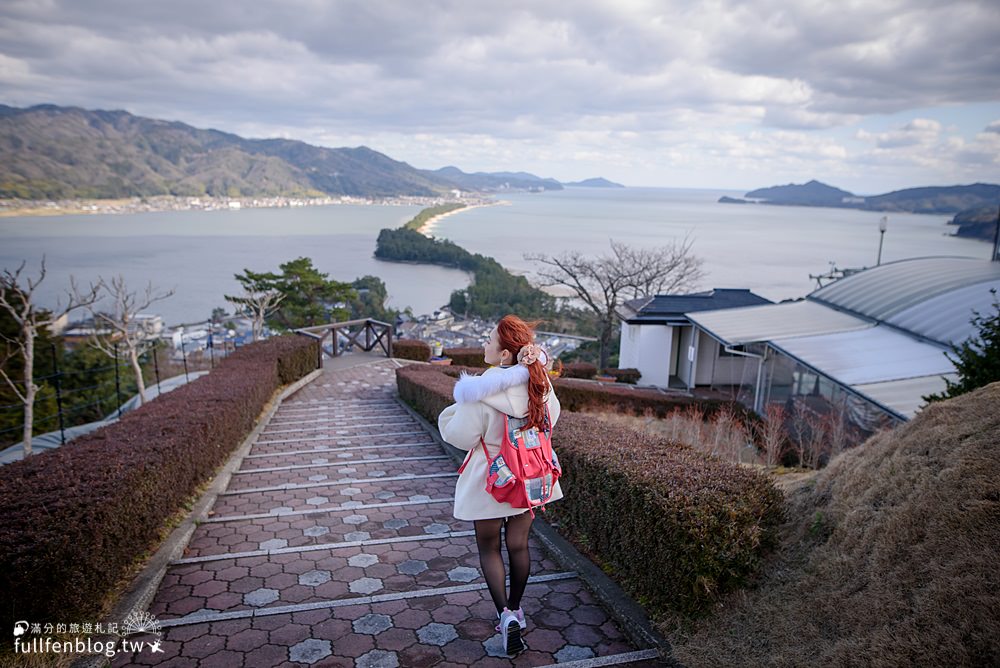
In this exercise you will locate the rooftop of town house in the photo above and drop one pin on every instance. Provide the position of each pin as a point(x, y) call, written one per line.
point(670, 309)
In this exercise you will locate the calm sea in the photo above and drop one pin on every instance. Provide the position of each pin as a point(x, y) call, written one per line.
point(769, 249)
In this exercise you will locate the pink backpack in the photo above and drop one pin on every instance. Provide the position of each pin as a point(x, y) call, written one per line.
point(526, 470)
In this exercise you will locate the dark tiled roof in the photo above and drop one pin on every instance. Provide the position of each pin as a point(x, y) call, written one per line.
point(670, 309)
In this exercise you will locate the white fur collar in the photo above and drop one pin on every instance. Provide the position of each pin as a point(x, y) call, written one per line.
point(470, 389)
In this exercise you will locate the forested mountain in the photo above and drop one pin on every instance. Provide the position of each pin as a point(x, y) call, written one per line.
point(51, 152)
point(496, 181)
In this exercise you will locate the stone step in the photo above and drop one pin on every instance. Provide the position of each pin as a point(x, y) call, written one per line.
point(422, 628)
point(249, 503)
point(269, 580)
point(347, 524)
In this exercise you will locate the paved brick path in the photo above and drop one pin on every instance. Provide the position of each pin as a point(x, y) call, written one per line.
point(334, 545)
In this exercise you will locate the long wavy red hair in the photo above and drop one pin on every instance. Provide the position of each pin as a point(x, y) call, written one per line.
point(513, 334)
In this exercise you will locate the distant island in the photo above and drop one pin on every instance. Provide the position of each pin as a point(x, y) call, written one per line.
point(971, 205)
point(598, 182)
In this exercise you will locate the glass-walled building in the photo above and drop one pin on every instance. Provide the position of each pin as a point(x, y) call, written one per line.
point(858, 355)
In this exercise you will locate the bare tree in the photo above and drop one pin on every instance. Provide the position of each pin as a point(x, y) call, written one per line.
point(257, 305)
point(838, 428)
point(605, 282)
point(769, 434)
point(121, 326)
point(17, 299)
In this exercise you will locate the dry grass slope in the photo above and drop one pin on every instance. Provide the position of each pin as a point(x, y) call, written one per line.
point(889, 559)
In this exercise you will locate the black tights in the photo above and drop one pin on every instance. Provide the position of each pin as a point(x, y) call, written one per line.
point(491, 561)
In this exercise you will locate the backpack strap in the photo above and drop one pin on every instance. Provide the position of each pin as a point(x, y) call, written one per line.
point(469, 456)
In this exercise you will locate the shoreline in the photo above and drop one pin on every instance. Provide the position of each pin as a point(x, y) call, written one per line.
point(429, 224)
point(84, 207)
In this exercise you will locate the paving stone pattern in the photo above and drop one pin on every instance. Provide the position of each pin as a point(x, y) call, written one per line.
point(338, 559)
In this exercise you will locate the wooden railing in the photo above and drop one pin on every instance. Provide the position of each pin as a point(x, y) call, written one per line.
point(375, 332)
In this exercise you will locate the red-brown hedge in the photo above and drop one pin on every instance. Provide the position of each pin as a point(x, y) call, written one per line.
point(629, 376)
point(411, 349)
point(581, 395)
point(579, 370)
point(466, 357)
point(676, 528)
point(428, 389)
point(74, 520)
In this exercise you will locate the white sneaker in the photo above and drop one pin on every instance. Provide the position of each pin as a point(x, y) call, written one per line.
point(510, 633)
point(520, 618)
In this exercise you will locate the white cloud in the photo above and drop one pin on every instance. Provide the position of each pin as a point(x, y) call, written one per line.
point(634, 85)
point(918, 132)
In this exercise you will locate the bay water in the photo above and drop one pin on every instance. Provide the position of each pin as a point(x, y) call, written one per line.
point(769, 249)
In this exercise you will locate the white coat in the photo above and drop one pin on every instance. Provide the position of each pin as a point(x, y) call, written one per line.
point(481, 404)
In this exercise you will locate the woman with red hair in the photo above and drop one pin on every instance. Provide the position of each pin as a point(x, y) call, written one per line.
point(516, 385)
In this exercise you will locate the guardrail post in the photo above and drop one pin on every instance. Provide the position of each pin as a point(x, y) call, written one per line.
point(118, 389)
point(59, 405)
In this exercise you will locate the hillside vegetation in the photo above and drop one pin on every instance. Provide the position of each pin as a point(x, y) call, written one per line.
point(889, 557)
point(935, 199)
point(50, 152)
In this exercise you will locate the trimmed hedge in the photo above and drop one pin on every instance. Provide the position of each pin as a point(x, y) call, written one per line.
point(579, 370)
point(466, 357)
point(427, 389)
point(630, 376)
point(76, 519)
point(581, 395)
point(411, 349)
point(674, 527)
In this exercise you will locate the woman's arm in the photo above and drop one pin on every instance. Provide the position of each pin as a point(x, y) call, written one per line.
point(463, 425)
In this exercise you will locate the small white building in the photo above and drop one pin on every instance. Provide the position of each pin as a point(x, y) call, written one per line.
point(659, 339)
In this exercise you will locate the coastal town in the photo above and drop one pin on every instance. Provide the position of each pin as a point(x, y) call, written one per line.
point(441, 329)
point(22, 207)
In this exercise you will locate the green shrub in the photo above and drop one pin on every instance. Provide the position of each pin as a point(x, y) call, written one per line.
point(466, 357)
point(75, 519)
point(411, 349)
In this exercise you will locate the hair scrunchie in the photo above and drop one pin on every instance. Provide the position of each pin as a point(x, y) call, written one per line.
point(532, 353)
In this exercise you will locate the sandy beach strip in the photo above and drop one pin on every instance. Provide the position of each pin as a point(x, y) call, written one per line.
point(428, 226)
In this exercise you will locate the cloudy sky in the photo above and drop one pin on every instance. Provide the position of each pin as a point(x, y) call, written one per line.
point(868, 95)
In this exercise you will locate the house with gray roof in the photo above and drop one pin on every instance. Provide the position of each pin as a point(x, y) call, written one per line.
point(652, 326)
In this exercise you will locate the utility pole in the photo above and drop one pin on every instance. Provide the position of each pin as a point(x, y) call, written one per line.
point(996, 240)
point(883, 223)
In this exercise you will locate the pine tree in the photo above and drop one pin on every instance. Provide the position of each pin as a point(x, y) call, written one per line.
point(977, 360)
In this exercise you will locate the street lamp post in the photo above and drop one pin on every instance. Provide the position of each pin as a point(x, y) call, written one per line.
point(883, 223)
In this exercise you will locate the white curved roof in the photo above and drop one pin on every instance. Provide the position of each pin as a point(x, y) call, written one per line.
point(872, 355)
point(947, 317)
point(767, 322)
point(932, 297)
